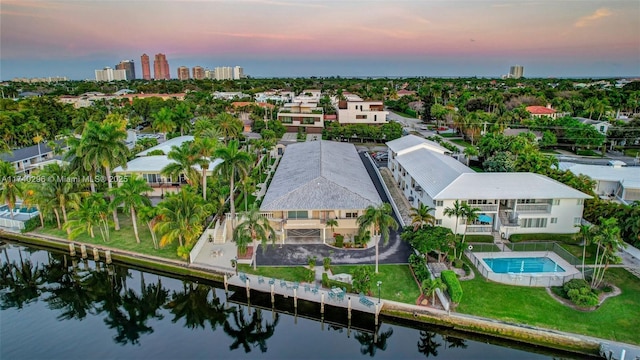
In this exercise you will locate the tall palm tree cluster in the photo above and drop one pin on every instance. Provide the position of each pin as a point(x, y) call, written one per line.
point(75, 196)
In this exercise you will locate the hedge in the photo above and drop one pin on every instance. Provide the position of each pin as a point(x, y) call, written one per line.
point(567, 238)
point(31, 224)
point(453, 285)
point(329, 283)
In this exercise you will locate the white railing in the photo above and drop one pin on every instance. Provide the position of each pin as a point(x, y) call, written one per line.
point(533, 207)
point(479, 229)
point(12, 224)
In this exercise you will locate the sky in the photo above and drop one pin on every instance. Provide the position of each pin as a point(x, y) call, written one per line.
point(299, 38)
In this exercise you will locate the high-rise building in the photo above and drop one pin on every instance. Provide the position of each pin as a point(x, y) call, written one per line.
point(238, 73)
point(146, 69)
point(129, 67)
point(109, 74)
point(183, 73)
point(161, 68)
point(516, 72)
point(198, 72)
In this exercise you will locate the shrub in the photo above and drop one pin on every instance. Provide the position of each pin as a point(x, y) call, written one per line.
point(339, 240)
point(31, 224)
point(466, 268)
point(419, 267)
point(329, 283)
point(457, 263)
point(580, 293)
point(453, 285)
point(326, 262)
point(362, 279)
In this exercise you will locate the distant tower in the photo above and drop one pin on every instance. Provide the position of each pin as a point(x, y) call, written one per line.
point(161, 68)
point(129, 67)
point(183, 73)
point(516, 72)
point(238, 73)
point(146, 70)
point(198, 72)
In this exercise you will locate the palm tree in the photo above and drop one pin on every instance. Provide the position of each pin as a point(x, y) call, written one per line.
point(258, 227)
point(470, 215)
point(607, 237)
point(235, 163)
point(182, 117)
point(470, 151)
point(421, 216)
point(331, 223)
point(430, 286)
point(427, 345)
point(11, 188)
point(585, 231)
point(91, 212)
point(131, 195)
point(229, 127)
point(381, 220)
point(149, 214)
point(370, 343)
point(163, 121)
point(103, 144)
point(248, 186)
point(184, 158)
point(180, 218)
point(205, 148)
point(457, 210)
point(61, 194)
point(204, 128)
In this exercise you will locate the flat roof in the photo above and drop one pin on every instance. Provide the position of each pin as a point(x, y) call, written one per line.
point(155, 164)
point(508, 186)
point(412, 142)
point(628, 176)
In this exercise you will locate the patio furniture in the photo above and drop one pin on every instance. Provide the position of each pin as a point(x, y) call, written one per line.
point(283, 283)
point(260, 280)
point(307, 288)
point(341, 296)
point(332, 295)
point(315, 289)
point(243, 277)
point(272, 281)
point(295, 285)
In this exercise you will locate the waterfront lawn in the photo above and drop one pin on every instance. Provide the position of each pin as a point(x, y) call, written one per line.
point(397, 282)
point(289, 273)
point(122, 239)
point(616, 319)
point(461, 142)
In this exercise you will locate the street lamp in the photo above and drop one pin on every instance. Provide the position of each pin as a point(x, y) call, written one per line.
point(379, 283)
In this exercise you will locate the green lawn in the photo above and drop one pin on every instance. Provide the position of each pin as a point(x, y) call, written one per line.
point(449, 135)
point(461, 142)
point(479, 238)
point(616, 319)
point(397, 282)
point(549, 151)
point(632, 152)
point(122, 239)
point(477, 169)
point(403, 114)
point(289, 273)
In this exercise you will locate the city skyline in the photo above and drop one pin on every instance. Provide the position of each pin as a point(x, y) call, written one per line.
point(282, 38)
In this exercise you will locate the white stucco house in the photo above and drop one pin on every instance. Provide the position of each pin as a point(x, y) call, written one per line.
point(614, 181)
point(362, 112)
point(601, 126)
point(509, 203)
point(316, 181)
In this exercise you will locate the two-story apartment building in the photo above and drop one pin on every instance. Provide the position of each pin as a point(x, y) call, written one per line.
point(316, 181)
point(508, 203)
point(614, 181)
point(307, 116)
point(361, 112)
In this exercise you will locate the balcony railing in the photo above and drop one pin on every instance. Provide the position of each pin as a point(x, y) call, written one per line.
point(533, 208)
point(490, 207)
point(478, 229)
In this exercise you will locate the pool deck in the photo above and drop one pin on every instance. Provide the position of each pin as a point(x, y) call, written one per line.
point(522, 278)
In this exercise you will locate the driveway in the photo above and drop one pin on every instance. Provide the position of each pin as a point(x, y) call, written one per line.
point(395, 252)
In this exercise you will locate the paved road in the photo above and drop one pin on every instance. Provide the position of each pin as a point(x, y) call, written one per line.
point(395, 252)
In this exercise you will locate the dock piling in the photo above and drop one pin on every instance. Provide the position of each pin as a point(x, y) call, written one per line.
point(349, 308)
point(96, 254)
point(72, 249)
point(248, 288)
point(107, 256)
point(83, 251)
point(226, 284)
point(273, 298)
point(295, 299)
point(322, 304)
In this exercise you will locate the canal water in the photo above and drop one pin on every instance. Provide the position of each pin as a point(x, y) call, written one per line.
point(55, 307)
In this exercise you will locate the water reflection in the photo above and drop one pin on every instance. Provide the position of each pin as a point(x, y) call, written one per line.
point(133, 304)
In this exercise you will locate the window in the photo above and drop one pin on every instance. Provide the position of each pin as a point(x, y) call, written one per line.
point(351, 215)
point(554, 220)
point(580, 201)
point(286, 119)
point(556, 201)
point(439, 203)
point(298, 214)
point(308, 120)
point(438, 221)
point(361, 117)
point(375, 117)
point(534, 223)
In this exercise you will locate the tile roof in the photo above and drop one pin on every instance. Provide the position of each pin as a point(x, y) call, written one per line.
point(540, 110)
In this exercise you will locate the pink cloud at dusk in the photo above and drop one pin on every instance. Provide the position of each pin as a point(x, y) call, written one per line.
point(111, 30)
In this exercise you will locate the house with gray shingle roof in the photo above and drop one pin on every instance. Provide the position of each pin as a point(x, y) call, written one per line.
point(26, 159)
point(316, 181)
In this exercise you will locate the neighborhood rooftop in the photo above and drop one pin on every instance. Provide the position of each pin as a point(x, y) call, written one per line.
point(154, 164)
point(410, 142)
point(166, 146)
point(320, 175)
point(627, 175)
point(29, 152)
point(507, 186)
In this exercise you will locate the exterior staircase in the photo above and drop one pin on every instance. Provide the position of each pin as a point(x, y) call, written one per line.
point(219, 233)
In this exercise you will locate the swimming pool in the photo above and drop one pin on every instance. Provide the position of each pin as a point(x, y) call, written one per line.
point(527, 265)
point(25, 210)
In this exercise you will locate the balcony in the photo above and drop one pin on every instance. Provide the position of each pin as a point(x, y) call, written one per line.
point(485, 208)
point(533, 208)
point(474, 229)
